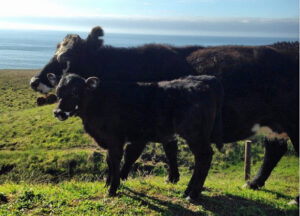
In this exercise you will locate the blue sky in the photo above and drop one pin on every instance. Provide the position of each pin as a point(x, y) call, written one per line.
point(188, 17)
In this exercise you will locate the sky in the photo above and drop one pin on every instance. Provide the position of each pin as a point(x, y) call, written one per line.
point(266, 18)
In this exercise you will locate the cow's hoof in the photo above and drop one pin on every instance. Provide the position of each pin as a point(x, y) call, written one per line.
point(294, 201)
point(253, 185)
point(192, 199)
point(191, 196)
point(194, 195)
point(186, 193)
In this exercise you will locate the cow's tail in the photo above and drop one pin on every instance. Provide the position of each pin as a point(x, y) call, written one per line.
point(217, 133)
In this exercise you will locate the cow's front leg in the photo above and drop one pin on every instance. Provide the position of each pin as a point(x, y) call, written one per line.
point(115, 154)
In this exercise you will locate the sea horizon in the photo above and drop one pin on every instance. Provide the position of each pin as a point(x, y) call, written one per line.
point(32, 49)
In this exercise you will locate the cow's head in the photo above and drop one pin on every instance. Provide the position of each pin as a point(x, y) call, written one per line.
point(70, 53)
point(69, 92)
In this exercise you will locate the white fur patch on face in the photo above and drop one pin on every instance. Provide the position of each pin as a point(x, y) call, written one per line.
point(67, 68)
point(32, 80)
point(67, 113)
point(44, 89)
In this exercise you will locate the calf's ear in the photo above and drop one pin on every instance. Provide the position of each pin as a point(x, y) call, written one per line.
point(92, 83)
point(52, 78)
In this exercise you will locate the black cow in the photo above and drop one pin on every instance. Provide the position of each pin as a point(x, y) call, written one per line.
point(117, 112)
point(260, 82)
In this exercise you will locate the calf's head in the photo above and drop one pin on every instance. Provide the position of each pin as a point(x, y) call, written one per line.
point(69, 92)
point(70, 53)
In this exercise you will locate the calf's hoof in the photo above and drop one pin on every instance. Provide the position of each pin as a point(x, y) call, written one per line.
point(107, 183)
point(124, 175)
point(173, 179)
point(112, 193)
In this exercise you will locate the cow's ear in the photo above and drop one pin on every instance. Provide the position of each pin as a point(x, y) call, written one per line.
point(93, 38)
point(96, 32)
point(92, 83)
point(52, 78)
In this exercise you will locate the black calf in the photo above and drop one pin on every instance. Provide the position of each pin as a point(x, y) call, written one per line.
point(114, 113)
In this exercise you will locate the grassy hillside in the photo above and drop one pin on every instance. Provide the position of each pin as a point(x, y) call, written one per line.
point(51, 167)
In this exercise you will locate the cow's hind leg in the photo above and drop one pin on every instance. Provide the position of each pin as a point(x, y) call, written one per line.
point(132, 153)
point(203, 157)
point(170, 148)
point(294, 136)
point(274, 150)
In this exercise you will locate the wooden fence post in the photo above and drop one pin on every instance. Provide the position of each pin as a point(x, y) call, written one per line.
point(247, 163)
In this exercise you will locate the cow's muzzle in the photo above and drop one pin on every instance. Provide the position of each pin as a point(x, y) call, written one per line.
point(38, 86)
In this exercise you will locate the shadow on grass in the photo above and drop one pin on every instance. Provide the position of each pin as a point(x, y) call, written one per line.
point(278, 194)
point(156, 204)
point(235, 205)
point(228, 205)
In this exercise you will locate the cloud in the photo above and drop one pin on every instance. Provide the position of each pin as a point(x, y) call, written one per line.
point(195, 1)
point(178, 26)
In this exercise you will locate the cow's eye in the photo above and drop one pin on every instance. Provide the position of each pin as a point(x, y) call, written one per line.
point(63, 65)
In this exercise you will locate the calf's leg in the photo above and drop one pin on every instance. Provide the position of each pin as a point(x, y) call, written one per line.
point(135, 149)
point(114, 157)
point(171, 149)
point(108, 179)
point(203, 158)
point(132, 153)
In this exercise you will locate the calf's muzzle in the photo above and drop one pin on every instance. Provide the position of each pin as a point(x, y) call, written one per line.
point(34, 83)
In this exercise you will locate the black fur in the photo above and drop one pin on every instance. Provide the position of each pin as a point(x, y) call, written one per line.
point(261, 83)
point(119, 112)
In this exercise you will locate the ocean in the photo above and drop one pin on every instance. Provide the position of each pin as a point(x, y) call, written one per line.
point(32, 49)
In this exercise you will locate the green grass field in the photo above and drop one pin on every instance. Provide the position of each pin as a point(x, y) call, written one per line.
point(48, 167)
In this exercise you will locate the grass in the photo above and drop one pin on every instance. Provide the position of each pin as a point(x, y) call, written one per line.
point(150, 195)
point(49, 167)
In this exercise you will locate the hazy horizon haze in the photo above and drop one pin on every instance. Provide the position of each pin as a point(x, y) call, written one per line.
point(265, 18)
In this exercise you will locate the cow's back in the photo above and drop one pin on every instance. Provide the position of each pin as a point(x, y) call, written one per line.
point(260, 85)
point(147, 111)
